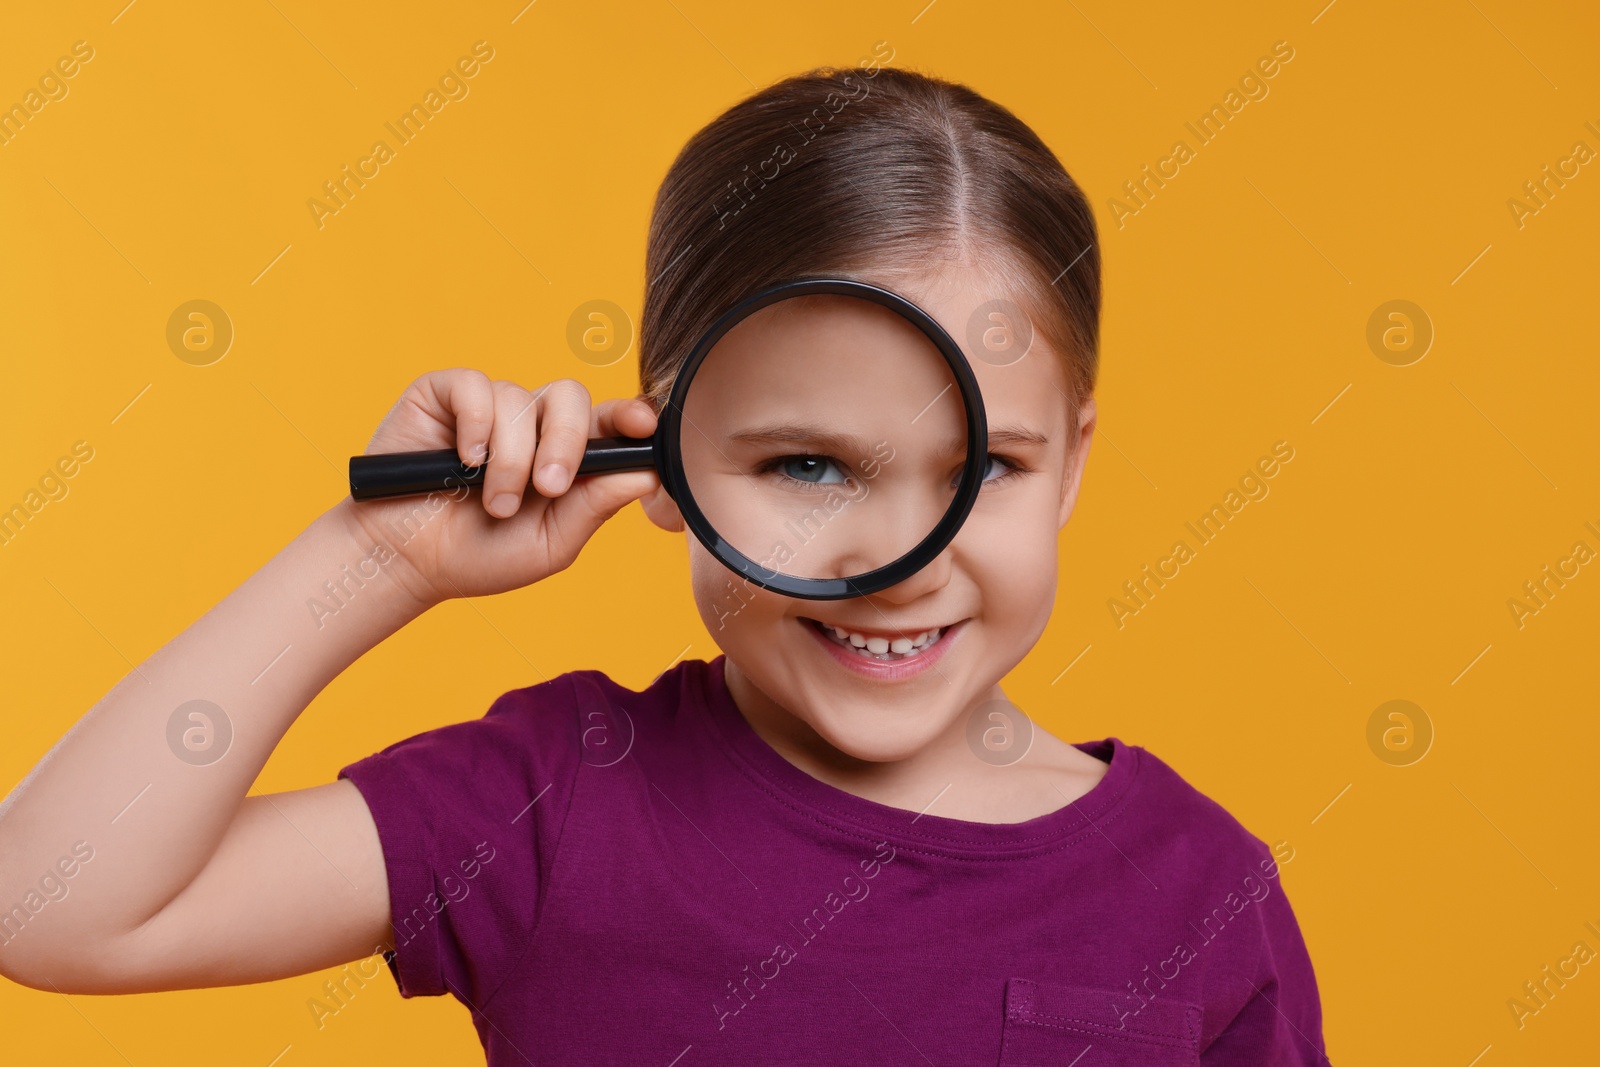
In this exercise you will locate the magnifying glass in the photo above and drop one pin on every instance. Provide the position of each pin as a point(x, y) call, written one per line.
point(824, 439)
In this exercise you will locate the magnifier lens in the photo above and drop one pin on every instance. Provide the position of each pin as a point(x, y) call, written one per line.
point(823, 436)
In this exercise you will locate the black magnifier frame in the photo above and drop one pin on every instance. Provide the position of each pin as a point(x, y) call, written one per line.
point(408, 473)
point(668, 433)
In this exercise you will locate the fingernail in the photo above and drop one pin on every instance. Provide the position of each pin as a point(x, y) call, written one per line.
point(503, 505)
point(554, 477)
point(479, 452)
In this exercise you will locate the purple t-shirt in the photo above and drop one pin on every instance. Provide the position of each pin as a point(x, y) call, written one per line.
point(609, 876)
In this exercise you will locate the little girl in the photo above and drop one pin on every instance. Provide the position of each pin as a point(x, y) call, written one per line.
point(778, 856)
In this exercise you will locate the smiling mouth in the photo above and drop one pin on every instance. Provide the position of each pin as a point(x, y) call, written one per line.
point(880, 647)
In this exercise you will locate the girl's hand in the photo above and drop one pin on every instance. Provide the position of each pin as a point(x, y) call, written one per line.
point(532, 517)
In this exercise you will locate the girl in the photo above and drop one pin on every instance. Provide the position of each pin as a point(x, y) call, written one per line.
point(792, 853)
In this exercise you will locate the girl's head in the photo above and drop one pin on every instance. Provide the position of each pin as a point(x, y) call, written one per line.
point(926, 188)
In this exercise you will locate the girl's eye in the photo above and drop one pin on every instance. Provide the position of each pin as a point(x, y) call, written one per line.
point(1000, 469)
point(813, 470)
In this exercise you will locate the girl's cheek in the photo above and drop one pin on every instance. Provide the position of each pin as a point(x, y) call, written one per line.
point(728, 605)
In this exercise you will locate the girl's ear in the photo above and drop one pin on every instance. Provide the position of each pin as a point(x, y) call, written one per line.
point(662, 510)
point(1080, 454)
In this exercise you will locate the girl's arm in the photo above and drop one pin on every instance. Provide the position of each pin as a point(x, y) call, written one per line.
point(189, 882)
point(177, 879)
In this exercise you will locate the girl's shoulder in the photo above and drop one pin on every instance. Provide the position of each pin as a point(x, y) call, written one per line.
point(1180, 811)
point(585, 716)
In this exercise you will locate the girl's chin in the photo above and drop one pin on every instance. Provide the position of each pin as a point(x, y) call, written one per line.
point(882, 724)
point(873, 734)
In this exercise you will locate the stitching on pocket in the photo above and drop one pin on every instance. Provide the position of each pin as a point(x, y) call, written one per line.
point(1077, 1026)
point(1023, 1006)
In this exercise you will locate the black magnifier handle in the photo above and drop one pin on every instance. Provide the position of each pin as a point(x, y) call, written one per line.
point(387, 474)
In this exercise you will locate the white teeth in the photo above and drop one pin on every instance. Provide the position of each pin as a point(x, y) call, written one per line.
point(883, 647)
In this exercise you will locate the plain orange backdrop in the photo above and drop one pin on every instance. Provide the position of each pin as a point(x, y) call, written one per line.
point(1380, 165)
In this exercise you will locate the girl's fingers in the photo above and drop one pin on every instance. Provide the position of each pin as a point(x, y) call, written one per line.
point(635, 418)
point(524, 438)
point(631, 417)
point(600, 424)
point(564, 418)
point(467, 396)
point(511, 445)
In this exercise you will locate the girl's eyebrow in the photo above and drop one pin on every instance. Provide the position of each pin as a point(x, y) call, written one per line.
point(797, 434)
point(1014, 435)
point(841, 443)
point(999, 437)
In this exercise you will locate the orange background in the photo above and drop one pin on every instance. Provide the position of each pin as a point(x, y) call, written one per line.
point(1420, 498)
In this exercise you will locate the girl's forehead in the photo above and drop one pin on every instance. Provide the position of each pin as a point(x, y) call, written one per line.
point(1028, 394)
point(1026, 386)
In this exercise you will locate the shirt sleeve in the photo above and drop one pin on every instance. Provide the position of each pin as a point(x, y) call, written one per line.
point(1280, 1023)
point(469, 817)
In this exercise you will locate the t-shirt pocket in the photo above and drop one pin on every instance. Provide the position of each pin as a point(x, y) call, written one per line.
point(1054, 1024)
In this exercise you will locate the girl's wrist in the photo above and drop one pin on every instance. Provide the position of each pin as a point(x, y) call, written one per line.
point(397, 584)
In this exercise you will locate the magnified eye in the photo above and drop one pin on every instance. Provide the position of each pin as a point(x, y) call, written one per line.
point(818, 470)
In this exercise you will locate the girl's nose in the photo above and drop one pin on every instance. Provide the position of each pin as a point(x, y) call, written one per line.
point(930, 579)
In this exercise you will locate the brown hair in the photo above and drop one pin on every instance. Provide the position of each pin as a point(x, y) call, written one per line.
point(865, 174)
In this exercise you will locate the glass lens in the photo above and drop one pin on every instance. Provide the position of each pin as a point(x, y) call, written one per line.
point(823, 436)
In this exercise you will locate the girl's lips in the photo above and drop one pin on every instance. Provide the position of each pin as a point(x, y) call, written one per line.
point(880, 670)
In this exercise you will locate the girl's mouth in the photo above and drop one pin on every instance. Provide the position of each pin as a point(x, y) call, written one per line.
point(884, 649)
point(884, 656)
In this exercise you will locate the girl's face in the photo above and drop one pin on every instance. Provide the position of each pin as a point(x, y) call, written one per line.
point(986, 597)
